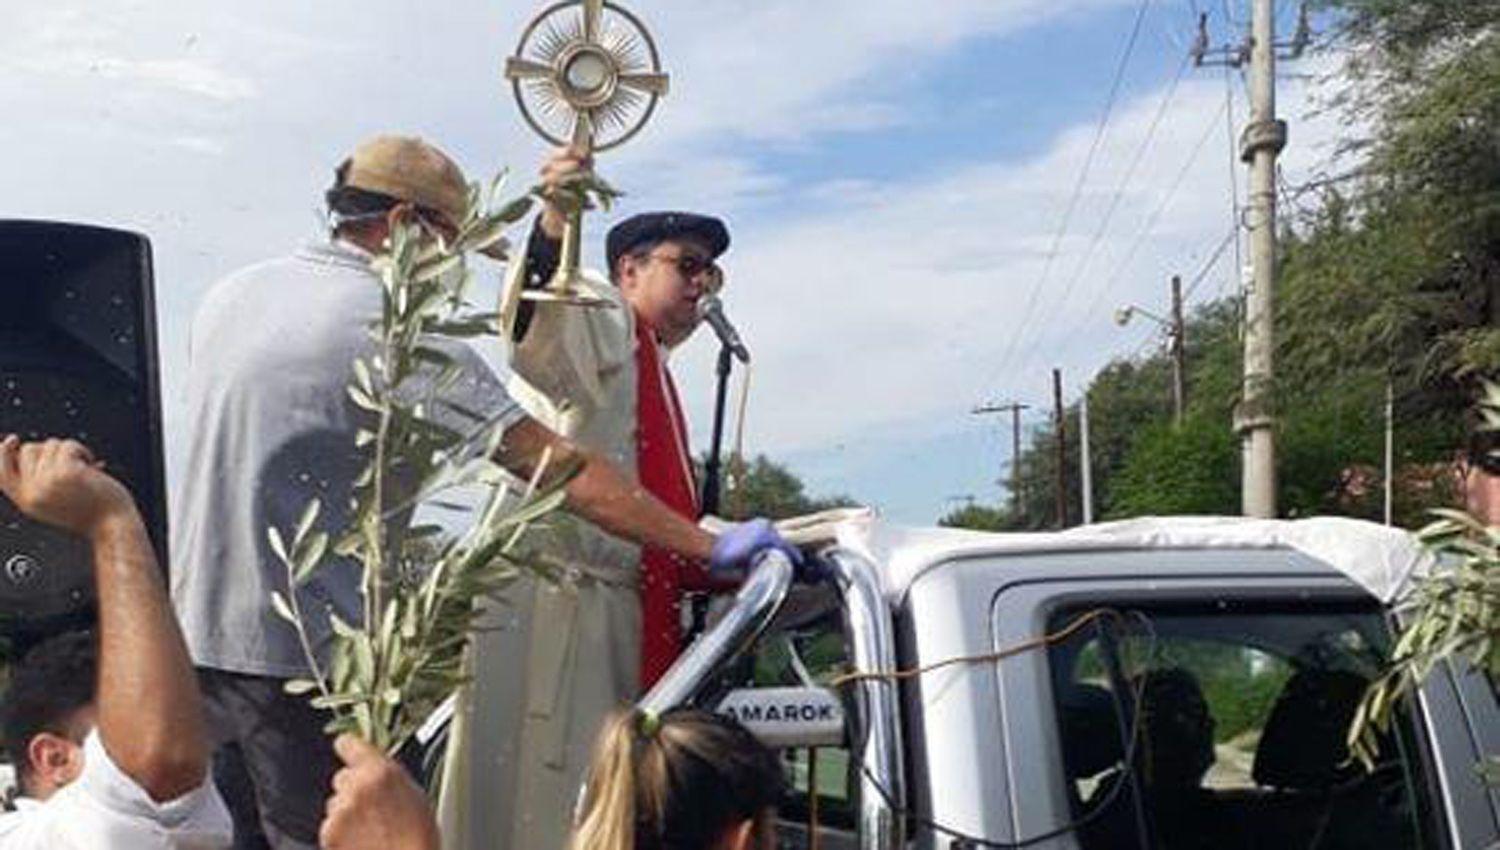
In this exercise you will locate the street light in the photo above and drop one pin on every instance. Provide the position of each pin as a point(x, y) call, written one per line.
point(1128, 312)
point(1174, 328)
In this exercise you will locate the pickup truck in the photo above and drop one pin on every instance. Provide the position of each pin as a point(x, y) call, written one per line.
point(1165, 683)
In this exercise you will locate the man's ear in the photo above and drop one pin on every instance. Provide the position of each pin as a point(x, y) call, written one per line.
point(622, 271)
point(55, 761)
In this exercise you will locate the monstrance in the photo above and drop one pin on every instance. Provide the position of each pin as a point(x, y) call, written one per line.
point(586, 73)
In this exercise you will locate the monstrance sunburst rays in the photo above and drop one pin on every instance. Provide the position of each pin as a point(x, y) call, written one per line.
point(587, 72)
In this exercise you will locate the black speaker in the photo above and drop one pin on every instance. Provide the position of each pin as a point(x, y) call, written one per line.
point(77, 359)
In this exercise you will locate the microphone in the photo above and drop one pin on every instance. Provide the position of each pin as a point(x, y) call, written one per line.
point(711, 310)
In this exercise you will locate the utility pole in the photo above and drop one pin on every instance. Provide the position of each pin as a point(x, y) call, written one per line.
point(1263, 139)
point(1083, 458)
point(1062, 450)
point(1014, 408)
point(1390, 449)
point(1261, 142)
point(1179, 351)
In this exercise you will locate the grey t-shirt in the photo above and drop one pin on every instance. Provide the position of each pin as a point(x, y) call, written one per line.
point(270, 355)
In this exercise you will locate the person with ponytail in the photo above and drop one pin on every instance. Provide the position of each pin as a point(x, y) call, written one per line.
point(687, 780)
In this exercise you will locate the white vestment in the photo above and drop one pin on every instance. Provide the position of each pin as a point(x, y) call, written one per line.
point(569, 652)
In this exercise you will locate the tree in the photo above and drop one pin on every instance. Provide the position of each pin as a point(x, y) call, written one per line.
point(1409, 253)
point(765, 488)
point(1180, 469)
point(977, 517)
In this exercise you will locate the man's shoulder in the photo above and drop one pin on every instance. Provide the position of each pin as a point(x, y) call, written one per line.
point(311, 260)
point(15, 819)
point(106, 801)
point(246, 282)
point(292, 283)
point(71, 820)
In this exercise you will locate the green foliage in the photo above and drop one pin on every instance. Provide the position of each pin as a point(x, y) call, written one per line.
point(1451, 613)
point(977, 518)
point(1179, 469)
point(1414, 241)
point(1239, 691)
point(419, 582)
point(1134, 395)
point(765, 488)
point(1395, 44)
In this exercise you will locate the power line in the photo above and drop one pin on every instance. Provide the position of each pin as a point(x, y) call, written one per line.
point(1156, 215)
point(1109, 105)
point(1119, 193)
point(1212, 261)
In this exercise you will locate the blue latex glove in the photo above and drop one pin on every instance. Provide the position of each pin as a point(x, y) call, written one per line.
point(737, 547)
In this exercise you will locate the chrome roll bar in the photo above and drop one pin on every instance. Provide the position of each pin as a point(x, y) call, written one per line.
point(755, 605)
point(872, 649)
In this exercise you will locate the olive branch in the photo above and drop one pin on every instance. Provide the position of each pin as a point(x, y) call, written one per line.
point(1451, 613)
point(420, 583)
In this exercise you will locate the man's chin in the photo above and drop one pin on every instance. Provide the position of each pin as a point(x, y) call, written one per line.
point(678, 333)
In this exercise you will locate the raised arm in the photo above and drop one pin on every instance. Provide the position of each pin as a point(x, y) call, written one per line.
point(149, 713)
point(544, 247)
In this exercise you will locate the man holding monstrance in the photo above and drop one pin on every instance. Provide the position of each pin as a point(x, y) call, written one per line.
point(590, 361)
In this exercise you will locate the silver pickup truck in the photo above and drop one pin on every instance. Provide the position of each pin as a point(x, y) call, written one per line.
point(1180, 683)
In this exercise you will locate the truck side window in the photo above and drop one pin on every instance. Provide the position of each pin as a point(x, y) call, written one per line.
point(1225, 728)
point(813, 653)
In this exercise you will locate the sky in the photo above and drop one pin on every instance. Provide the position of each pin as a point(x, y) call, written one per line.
point(928, 210)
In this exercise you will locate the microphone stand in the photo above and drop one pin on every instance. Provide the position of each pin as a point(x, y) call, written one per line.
point(698, 605)
point(711, 484)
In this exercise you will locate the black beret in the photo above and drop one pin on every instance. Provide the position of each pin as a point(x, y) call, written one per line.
point(657, 226)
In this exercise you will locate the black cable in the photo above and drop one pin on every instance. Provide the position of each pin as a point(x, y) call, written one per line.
point(1114, 203)
point(1109, 105)
point(1110, 796)
point(1074, 825)
point(1212, 261)
point(1123, 266)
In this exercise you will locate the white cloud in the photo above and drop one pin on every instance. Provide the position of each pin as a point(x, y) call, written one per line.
point(896, 305)
point(54, 43)
point(197, 144)
point(180, 74)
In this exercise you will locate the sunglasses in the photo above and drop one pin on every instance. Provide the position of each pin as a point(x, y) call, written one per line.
point(692, 265)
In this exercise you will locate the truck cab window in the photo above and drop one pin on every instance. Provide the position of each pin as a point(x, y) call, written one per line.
point(1225, 728)
point(820, 793)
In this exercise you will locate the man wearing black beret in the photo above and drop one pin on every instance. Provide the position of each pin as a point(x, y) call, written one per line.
point(660, 264)
point(599, 377)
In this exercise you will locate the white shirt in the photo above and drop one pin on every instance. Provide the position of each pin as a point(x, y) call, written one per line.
point(104, 809)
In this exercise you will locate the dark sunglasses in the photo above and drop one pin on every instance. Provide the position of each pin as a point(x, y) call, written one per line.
point(692, 265)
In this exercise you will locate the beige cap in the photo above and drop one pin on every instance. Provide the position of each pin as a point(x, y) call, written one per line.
point(409, 169)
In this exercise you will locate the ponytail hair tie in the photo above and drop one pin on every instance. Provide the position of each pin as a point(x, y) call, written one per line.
point(649, 723)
